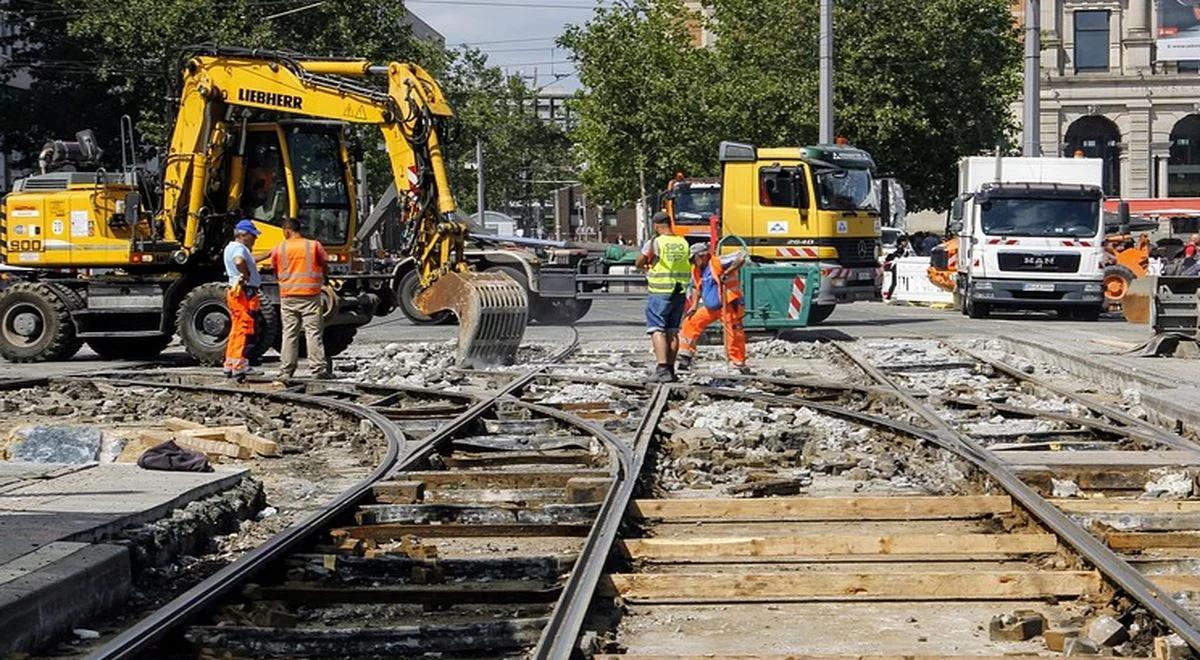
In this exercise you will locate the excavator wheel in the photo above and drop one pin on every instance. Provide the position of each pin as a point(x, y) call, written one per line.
point(406, 297)
point(1116, 282)
point(35, 324)
point(492, 311)
point(819, 313)
point(203, 325)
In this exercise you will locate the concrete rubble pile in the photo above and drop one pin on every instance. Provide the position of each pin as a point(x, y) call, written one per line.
point(731, 444)
point(417, 364)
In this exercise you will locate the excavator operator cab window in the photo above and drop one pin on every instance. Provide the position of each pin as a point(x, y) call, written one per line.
point(322, 193)
point(265, 191)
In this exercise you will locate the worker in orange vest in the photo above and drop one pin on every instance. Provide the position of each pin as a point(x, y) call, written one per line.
point(716, 293)
point(241, 298)
point(300, 268)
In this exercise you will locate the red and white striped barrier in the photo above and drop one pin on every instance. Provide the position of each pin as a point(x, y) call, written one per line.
point(796, 252)
point(796, 305)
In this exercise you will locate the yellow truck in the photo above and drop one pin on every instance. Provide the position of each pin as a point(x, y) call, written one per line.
point(812, 204)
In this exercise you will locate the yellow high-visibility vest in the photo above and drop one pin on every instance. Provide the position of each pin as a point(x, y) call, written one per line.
point(671, 271)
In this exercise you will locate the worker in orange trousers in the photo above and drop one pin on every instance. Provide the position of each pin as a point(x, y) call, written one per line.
point(716, 294)
point(242, 298)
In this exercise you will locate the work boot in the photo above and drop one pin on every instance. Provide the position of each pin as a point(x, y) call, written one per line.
point(742, 368)
point(662, 374)
point(683, 362)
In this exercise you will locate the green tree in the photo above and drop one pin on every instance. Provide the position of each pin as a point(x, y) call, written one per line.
point(919, 84)
point(93, 62)
point(644, 112)
point(501, 112)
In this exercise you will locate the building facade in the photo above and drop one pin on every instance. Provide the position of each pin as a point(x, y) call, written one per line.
point(1108, 93)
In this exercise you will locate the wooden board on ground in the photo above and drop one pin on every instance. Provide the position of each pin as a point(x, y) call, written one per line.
point(783, 509)
point(1103, 458)
point(787, 586)
point(842, 544)
point(1131, 506)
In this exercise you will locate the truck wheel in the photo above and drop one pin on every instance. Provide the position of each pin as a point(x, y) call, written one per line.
point(74, 301)
point(203, 325)
point(977, 310)
point(408, 291)
point(129, 348)
point(820, 313)
point(35, 324)
point(560, 312)
point(1116, 282)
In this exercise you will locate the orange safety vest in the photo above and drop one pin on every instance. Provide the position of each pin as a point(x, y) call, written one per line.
point(728, 284)
point(296, 268)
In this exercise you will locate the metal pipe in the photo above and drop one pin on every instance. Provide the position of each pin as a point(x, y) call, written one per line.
point(1031, 141)
point(826, 91)
point(480, 200)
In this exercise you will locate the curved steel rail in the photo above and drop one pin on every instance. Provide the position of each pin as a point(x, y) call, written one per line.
point(141, 636)
point(1101, 556)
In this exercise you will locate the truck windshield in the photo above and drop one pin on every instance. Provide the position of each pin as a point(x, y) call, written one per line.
point(321, 193)
point(846, 190)
point(694, 206)
point(1014, 216)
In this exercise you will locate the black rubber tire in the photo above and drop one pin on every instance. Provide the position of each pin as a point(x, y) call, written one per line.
point(55, 338)
point(75, 301)
point(820, 313)
point(1117, 270)
point(407, 291)
point(560, 312)
point(207, 344)
point(338, 339)
point(978, 310)
point(129, 348)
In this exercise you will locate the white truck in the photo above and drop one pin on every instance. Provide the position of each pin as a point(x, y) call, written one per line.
point(1030, 235)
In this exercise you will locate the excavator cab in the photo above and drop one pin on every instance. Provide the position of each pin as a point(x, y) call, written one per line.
point(298, 169)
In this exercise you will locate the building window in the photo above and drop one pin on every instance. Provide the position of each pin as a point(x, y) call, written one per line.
point(1091, 40)
point(1097, 137)
point(1183, 168)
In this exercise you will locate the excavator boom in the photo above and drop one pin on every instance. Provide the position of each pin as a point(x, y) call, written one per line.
point(492, 309)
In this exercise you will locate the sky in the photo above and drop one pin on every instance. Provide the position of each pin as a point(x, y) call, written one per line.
point(517, 35)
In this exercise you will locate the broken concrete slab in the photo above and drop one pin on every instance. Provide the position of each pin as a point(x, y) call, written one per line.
point(56, 444)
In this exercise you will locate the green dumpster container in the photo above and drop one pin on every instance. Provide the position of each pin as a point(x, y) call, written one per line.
point(777, 296)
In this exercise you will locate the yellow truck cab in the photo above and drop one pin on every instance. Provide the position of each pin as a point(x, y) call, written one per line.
point(806, 204)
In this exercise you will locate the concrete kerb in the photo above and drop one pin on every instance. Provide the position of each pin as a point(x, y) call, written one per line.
point(1167, 402)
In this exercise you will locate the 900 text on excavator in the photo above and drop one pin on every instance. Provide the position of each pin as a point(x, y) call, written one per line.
point(258, 134)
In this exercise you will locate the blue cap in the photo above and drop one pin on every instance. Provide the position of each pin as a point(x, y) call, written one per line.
point(247, 226)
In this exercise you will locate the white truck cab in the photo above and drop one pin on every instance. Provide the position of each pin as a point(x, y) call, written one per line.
point(1030, 235)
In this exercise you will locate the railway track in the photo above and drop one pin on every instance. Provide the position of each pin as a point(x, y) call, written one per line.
point(474, 536)
point(875, 508)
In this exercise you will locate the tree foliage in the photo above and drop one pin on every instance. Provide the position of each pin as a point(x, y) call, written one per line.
point(918, 83)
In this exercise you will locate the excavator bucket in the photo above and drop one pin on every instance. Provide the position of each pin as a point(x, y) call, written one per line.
point(492, 311)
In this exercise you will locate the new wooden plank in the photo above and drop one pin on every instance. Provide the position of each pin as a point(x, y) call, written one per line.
point(243, 437)
point(842, 544)
point(180, 424)
point(1130, 541)
point(214, 447)
point(1131, 506)
point(1099, 458)
point(1177, 583)
point(796, 586)
point(825, 508)
point(220, 433)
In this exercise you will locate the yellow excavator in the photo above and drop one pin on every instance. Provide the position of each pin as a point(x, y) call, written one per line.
point(125, 261)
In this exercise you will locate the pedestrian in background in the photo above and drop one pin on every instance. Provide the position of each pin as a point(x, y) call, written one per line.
point(241, 298)
point(300, 265)
point(903, 249)
point(668, 271)
point(716, 293)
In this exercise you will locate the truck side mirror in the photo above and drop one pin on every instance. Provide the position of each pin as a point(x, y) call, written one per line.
point(1123, 217)
point(956, 210)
